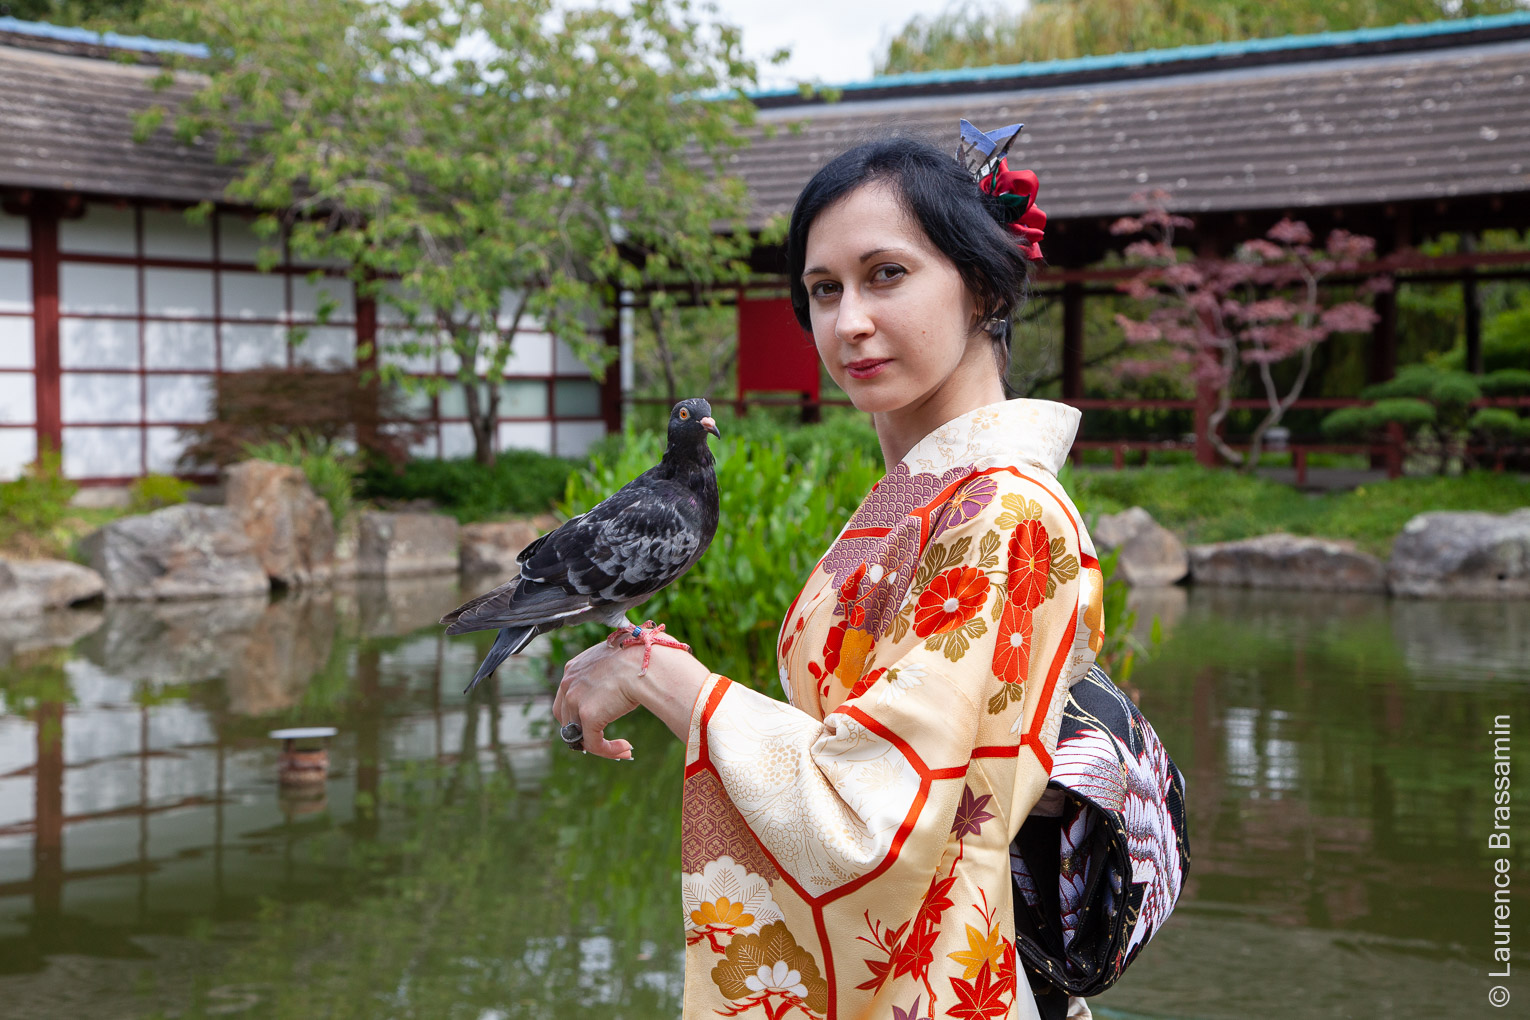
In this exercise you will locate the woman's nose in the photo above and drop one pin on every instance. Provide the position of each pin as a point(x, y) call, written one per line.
point(853, 321)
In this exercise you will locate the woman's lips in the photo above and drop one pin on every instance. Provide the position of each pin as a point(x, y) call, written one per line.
point(867, 368)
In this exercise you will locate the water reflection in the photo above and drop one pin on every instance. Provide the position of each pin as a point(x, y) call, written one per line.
point(455, 866)
point(1339, 798)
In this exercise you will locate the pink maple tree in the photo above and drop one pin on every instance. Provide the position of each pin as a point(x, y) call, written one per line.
point(1223, 317)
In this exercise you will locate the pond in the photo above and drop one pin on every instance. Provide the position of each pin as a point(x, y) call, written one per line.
point(1336, 748)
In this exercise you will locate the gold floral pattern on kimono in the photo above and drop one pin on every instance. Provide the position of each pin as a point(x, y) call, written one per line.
point(846, 853)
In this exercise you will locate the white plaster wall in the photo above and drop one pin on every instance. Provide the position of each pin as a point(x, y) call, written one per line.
point(178, 293)
point(190, 345)
point(246, 347)
point(573, 438)
point(15, 285)
point(13, 231)
point(18, 398)
point(169, 235)
point(236, 239)
point(94, 452)
point(16, 348)
point(18, 448)
point(98, 343)
point(526, 435)
point(178, 398)
point(252, 295)
point(89, 289)
point(100, 397)
point(164, 449)
point(103, 230)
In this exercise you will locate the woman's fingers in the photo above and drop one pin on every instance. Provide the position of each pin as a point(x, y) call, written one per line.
point(591, 695)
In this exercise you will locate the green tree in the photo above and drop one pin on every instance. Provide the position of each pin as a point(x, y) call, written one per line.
point(100, 15)
point(481, 165)
point(972, 35)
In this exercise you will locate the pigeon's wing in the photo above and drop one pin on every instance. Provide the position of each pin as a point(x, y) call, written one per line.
point(625, 549)
point(621, 551)
point(536, 543)
point(518, 603)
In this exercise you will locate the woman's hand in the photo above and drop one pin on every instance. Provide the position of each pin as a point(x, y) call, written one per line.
point(601, 684)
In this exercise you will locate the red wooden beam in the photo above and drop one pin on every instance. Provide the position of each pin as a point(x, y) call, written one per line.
point(44, 230)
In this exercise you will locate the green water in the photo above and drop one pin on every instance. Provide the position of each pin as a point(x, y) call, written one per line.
point(456, 866)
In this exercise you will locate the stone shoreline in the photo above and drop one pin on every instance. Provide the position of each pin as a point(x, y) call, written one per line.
point(274, 532)
point(1439, 555)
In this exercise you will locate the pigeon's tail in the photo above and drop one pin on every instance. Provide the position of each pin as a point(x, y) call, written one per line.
point(509, 641)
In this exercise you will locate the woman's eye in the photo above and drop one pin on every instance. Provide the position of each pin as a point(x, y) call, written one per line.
point(823, 289)
point(887, 272)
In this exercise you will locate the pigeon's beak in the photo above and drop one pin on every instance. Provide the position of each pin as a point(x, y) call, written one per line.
point(711, 426)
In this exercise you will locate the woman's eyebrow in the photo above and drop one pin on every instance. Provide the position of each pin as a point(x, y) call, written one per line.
point(865, 257)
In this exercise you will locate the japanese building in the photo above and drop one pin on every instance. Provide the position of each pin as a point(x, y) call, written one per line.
point(117, 313)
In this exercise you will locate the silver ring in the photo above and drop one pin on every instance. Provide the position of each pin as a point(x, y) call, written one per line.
point(573, 736)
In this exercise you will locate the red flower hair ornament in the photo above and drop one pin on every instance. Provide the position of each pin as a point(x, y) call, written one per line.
point(984, 156)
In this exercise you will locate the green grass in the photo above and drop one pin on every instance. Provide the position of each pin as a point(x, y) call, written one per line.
point(1204, 505)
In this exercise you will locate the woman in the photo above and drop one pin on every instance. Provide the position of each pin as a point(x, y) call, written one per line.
point(847, 854)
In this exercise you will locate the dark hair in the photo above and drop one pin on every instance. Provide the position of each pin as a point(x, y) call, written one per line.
point(959, 218)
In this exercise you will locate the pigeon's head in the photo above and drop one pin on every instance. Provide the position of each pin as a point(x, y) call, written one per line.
point(690, 421)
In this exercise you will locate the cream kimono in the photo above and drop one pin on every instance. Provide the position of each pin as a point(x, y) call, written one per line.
point(847, 854)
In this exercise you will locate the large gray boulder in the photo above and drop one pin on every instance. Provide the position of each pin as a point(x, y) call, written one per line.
point(1287, 561)
point(180, 552)
point(492, 546)
point(28, 587)
point(290, 527)
point(1150, 555)
point(400, 544)
point(1468, 555)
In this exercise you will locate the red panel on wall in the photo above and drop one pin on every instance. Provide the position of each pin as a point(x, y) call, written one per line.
point(773, 352)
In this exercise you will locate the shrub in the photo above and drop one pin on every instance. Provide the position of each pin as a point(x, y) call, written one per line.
point(271, 405)
point(1363, 422)
point(38, 501)
point(329, 469)
point(151, 492)
point(779, 514)
point(519, 482)
point(1507, 382)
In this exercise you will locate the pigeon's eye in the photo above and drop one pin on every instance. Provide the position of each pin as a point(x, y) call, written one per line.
point(684, 414)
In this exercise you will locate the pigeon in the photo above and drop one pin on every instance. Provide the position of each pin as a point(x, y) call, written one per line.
point(600, 564)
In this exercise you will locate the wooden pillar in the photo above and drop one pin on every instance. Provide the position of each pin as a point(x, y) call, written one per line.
point(611, 385)
point(43, 222)
point(367, 360)
point(48, 812)
point(1383, 360)
point(1073, 341)
point(1473, 307)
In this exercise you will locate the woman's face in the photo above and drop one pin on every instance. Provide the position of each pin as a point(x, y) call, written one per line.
point(893, 321)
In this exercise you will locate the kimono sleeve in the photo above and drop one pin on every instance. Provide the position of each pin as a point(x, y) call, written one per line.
point(989, 626)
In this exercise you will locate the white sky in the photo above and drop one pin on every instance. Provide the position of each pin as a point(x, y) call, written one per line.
point(832, 41)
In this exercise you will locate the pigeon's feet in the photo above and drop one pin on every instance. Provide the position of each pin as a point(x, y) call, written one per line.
point(648, 635)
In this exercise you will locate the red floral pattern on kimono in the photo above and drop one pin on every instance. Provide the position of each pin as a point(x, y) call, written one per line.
point(846, 854)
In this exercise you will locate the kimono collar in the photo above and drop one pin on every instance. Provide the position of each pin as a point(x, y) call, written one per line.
point(1036, 432)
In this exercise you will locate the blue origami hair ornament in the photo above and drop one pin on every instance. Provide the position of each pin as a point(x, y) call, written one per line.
point(984, 153)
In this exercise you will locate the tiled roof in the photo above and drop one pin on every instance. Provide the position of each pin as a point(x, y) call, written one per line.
point(66, 123)
point(1432, 112)
point(1396, 127)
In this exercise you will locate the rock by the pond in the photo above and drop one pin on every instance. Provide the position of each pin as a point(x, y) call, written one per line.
point(1287, 561)
point(180, 552)
point(290, 526)
point(1469, 555)
point(491, 547)
point(28, 587)
point(399, 544)
point(1151, 555)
